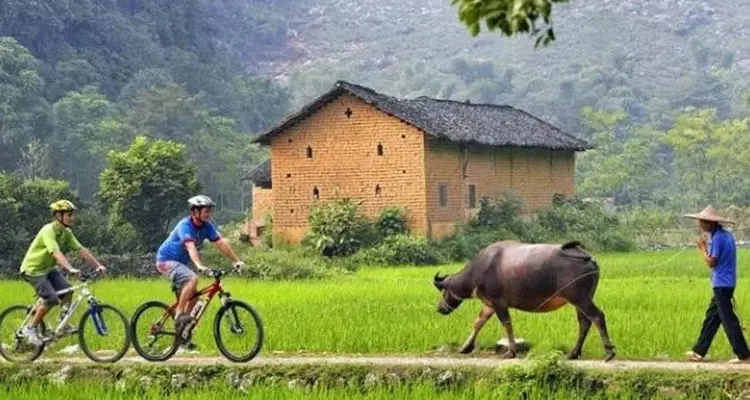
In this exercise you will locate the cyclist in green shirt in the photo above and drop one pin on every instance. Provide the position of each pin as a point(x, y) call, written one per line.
point(45, 256)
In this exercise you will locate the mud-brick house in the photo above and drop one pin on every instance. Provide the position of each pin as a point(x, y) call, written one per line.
point(435, 157)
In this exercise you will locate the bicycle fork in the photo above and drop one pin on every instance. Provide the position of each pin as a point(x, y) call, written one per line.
point(234, 320)
point(96, 315)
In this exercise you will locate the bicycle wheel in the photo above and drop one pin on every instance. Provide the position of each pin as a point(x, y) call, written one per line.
point(152, 332)
point(13, 346)
point(248, 331)
point(103, 333)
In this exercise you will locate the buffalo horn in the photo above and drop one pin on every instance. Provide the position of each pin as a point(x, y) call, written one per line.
point(438, 280)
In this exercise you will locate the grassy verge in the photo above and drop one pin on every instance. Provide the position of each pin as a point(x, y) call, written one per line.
point(546, 379)
point(654, 304)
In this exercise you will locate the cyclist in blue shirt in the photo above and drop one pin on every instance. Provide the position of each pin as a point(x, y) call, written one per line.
point(182, 246)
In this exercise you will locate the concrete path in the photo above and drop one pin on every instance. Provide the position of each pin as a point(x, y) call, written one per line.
point(431, 361)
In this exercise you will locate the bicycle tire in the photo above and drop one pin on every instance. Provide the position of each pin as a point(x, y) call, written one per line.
point(39, 350)
point(258, 323)
point(134, 337)
point(82, 341)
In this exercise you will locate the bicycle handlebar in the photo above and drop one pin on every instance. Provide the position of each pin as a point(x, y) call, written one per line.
point(88, 276)
point(219, 273)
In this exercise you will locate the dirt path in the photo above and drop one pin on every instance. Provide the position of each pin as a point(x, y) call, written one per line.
point(437, 362)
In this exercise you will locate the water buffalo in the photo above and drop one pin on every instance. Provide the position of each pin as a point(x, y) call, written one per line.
point(527, 277)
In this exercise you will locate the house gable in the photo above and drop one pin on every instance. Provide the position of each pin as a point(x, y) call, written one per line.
point(346, 148)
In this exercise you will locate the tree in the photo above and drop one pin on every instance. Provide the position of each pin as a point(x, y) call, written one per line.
point(601, 171)
point(711, 157)
point(85, 129)
point(146, 186)
point(35, 160)
point(24, 206)
point(626, 163)
point(511, 17)
point(167, 112)
point(23, 111)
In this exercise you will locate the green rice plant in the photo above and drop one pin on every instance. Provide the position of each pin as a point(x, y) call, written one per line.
point(654, 304)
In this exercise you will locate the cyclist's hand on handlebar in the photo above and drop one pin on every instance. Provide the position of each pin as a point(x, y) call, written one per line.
point(100, 269)
point(239, 266)
point(74, 271)
point(202, 269)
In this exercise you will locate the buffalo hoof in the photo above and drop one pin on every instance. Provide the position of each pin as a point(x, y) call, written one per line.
point(574, 356)
point(509, 354)
point(466, 349)
point(609, 355)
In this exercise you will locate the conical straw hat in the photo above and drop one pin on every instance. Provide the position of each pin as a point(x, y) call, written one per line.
point(709, 214)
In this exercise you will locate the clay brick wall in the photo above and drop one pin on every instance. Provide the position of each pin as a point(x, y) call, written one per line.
point(443, 166)
point(563, 172)
point(262, 202)
point(344, 138)
point(535, 175)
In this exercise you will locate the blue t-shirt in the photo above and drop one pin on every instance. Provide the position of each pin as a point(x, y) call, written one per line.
point(173, 249)
point(722, 247)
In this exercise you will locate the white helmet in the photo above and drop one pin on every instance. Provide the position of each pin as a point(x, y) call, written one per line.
point(200, 201)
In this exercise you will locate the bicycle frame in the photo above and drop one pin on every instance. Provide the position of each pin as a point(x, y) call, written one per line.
point(83, 293)
point(210, 291)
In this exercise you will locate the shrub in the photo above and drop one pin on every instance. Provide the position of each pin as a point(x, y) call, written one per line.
point(274, 264)
point(338, 229)
point(391, 221)
point(575, 219)
point(287, 265)
point(652, 227)
point(465, 244)
point(566, 219)
point(400, 249)
point(498, 213)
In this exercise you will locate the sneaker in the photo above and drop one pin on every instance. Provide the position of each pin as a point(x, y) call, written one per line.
point(740, 361)
point(32, 334)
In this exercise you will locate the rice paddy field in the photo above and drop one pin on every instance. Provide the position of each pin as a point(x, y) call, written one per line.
point(654, 304)
point(415, 392)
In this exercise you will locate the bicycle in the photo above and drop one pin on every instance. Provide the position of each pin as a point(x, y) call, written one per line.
point(227, 312)
point(95, 313)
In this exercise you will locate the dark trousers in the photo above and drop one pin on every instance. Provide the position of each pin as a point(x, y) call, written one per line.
point(721, 312)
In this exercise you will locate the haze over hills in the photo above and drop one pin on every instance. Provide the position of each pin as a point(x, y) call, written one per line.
point(650, 51)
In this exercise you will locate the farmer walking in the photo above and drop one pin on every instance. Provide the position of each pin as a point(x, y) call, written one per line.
point(721, 256)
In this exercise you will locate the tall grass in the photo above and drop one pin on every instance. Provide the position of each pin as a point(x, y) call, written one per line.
point(406, 391)
point(654, 305)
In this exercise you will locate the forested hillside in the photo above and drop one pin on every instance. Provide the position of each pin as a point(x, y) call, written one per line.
point(84, 77)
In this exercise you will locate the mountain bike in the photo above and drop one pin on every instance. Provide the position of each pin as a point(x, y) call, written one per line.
point(154, 320)
point(100, 323)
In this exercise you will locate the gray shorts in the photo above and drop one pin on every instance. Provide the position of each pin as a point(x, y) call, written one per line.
point(48, 285)
point(177, 273)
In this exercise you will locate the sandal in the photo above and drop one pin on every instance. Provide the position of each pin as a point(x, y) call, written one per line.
point(693, 356)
